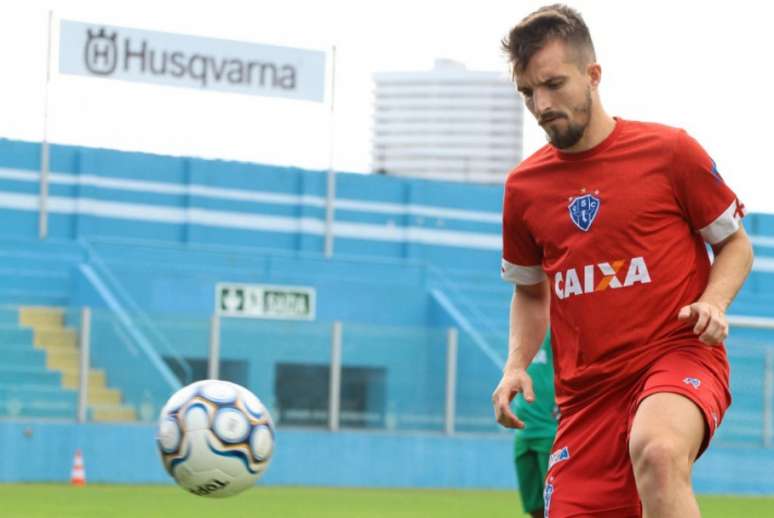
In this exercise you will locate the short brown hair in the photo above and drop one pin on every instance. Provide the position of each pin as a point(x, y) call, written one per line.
point(551, 22)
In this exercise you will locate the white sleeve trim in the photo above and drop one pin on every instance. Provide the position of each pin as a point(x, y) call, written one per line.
point(725, 225)
point(522, 274)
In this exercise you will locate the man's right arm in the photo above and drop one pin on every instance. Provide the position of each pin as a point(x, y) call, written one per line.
point(528, 324)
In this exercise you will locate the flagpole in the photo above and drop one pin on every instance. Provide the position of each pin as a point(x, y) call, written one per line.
point(44, 152)
point(331, 176)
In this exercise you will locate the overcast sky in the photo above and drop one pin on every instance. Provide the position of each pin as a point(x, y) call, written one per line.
point(701, 65)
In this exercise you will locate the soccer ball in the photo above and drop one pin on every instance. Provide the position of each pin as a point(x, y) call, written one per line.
point(215, 438)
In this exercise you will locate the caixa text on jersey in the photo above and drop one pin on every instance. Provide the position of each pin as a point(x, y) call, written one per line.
point(601, 276)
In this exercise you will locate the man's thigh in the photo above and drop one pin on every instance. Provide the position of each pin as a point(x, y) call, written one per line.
point(702, 380)
point(589, 472)
point(671, 420)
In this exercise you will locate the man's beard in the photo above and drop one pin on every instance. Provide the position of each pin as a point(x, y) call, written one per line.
point(575, 130)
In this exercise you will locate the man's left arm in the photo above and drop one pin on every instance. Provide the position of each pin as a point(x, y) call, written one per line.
point(733, 262)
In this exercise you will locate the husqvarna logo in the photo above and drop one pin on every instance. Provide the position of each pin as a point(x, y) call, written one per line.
point(189, 61)
point(100, 53)
point(105, 54)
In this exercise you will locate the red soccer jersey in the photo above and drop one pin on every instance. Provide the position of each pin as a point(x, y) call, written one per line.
point(619, 231)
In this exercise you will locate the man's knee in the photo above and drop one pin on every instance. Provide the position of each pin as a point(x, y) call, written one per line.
point(665, 437)
point(660, 456)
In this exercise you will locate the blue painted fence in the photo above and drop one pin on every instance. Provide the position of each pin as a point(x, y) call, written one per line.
point(43, 452)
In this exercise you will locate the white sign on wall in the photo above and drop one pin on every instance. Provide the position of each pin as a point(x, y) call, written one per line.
point(163, 58)
point(265, 301)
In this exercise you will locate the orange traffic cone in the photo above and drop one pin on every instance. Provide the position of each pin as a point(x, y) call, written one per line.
point(78, 474)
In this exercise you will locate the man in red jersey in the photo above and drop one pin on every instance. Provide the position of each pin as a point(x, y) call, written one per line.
point(606, 226)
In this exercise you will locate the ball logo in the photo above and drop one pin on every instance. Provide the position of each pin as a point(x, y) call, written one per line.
point(209, 488)
point(100, 53)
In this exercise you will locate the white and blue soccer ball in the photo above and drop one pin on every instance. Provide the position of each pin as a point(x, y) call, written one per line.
point(215, 438)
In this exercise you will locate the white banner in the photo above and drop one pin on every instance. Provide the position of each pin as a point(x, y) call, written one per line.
point(210, 64)
point(265, 301)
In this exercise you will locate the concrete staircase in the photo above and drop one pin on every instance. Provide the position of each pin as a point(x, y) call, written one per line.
point(62, 355)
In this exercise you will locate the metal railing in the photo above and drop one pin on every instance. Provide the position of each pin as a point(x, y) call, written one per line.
point(418, 378)
point(337, 357)
point(126, 305)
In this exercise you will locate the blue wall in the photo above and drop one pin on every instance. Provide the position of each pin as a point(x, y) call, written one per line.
point(42, 452)
point(37, 452)
point(180, 279)
point(187, 200)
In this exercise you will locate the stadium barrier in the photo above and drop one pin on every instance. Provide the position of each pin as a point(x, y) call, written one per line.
point(339, 375)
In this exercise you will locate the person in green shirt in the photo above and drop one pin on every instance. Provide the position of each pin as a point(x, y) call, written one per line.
point(532, 444)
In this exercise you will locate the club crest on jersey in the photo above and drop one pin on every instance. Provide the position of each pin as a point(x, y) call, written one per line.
point(583, 210)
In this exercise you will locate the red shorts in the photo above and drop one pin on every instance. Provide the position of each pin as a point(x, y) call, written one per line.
point(590, 472)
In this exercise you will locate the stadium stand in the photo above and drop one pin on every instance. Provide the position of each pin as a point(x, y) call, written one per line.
point(143, 240)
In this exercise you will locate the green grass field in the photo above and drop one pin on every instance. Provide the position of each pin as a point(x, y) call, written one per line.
point(108, 501)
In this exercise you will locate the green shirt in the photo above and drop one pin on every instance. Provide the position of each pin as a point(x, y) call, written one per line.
point(539, 416)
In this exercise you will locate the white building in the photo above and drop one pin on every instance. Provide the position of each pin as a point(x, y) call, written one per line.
point(448, 123)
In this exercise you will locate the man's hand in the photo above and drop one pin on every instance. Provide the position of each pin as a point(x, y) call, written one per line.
point(512, 382)
point(711, 324)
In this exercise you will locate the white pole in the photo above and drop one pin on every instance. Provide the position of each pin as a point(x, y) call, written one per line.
point(43, 203)
point(85, 353)
point(451, 379)
point(213, 364)
point(331, 190)
point(768, 399)
point(751, 322)
point(334, 391)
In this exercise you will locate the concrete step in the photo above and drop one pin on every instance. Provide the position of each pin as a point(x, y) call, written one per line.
point(10, 373)
point(62, 355)
point(13, 334)
point(41, 316)
point(41, 263)
point(52, 409)
point(16, 278)
point(66, 250)
point(43, 297)
point(9, 316)
point(55, 337)
point(23, 355)
point(71, 378)
point(62, 358)
point(18, 347)
point(112, 413)
point(96, 395)
point(103, 396)
point(26, 392)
